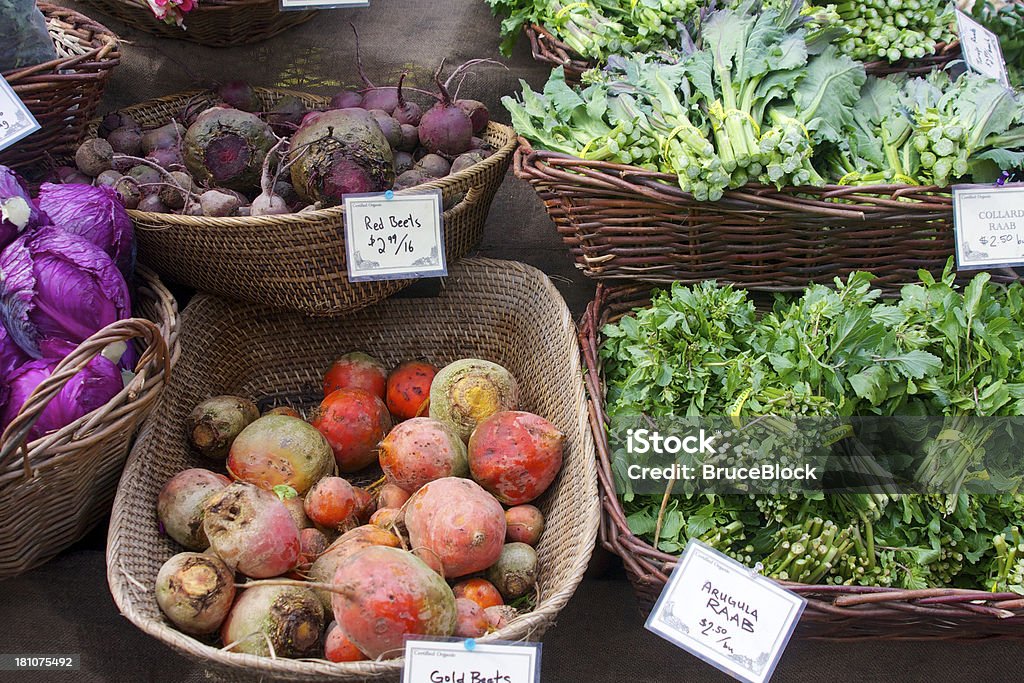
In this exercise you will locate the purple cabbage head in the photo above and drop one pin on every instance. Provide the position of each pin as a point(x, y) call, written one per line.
point(58, 289)
point(17, 212)
point(90, 389)
point(95, 213)
point(11, 357)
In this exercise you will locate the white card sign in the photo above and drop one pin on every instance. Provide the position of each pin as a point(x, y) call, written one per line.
point(725, 613)
point(322, 4)
point(392, 236)
point(989, 225)
point(469, 661)
point(16, 121)
point(981, 49)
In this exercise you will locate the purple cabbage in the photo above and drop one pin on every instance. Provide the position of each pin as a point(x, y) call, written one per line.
point(95, 213)
point(90, 389)
point(17, 212)
point(11, 357)
point(57, 288)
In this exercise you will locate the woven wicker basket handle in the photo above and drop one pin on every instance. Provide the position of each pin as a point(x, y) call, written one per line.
point(15, 436)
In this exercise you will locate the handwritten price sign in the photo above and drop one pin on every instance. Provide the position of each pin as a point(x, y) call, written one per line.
point(391, 236)
point(981, 49)
point(16, 121)
point(989, 225)
point(725, 613)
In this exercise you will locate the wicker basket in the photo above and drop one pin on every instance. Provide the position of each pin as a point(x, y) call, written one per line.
point(626, 223)
point(63, 94)
point(548, 49)
point(298, 261)
point(833, 612)
point(214, 23)
point(55, 489)
point(499, 310)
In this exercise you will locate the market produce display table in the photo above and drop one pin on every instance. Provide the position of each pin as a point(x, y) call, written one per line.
point(65, 606)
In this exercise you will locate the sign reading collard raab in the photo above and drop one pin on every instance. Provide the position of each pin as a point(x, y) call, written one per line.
point(725, 613)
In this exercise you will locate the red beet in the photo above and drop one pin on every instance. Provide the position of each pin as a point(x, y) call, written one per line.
point(286, 116)
point(163, 137)
point(406, 112)
point(445, 128)
point(477, 113)
point(195, 591)
point(115, 120)
point(252, 531)
point(354, 422)
point(226, 147)
point(346, 99)
point(342, 151)
point(180, 507)
point(391, 128)
point(385, 594)
point(515, 455)
point(373, 97)
point(455, 526)
point(239, 95)
point(126, 140)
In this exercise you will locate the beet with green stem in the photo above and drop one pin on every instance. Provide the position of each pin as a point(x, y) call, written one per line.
point(340, 152)
point(227, 147)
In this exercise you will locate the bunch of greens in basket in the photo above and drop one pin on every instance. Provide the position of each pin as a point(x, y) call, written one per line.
point(935, 351)
point(597, 28)
point(930, 131)
point(1007, 22)
point(747, 102)
point(895, 29)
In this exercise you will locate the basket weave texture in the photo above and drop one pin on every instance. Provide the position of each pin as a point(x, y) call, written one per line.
point(832, 612)
point(496, 310)
point(298, 261)
point(214, 23)
point(625, 223)
point(53, 490)
point(548, 49)
point(63, 94)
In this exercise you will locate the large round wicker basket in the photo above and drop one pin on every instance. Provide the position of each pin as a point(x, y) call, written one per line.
point(497, 310)
point(299, 261)
point(54, 489)
point(832, 612)
point(62, 94)
point(214, 23)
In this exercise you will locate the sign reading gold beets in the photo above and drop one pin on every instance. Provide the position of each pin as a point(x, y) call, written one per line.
point(776, 455)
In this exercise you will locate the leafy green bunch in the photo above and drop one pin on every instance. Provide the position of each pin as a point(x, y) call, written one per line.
point(936, 350)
